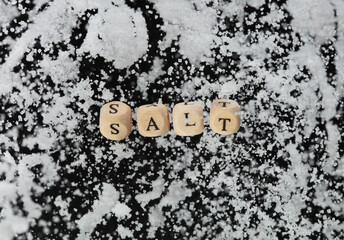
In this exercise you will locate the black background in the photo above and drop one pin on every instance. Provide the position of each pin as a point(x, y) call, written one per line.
point(124, 177)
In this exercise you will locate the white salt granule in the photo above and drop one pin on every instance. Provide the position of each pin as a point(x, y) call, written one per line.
point(63, 207)
point(194, 22)
point(124, 232)
point(121, 210)
point(158, 187)
point(313, 18)
point(107, 201)
point(177, 192)
point(7, 13)
point(118, 34)
point(61, 69)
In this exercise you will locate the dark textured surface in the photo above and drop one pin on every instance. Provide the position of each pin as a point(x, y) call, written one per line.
point(210, 207)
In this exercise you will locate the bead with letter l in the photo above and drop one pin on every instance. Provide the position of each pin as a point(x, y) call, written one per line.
point(187, 119)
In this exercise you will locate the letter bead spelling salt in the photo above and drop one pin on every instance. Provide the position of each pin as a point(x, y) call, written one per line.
point(225, 116)
point(188, 119)
point(153, 120)
point(115, 120)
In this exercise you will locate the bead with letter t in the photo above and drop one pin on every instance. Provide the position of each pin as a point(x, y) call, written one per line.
point(115, 120)
point(225, 116)
point(153, 120)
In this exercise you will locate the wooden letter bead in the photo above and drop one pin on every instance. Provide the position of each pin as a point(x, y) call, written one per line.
point(224, 116)
point(187, 119)
point(153, 120)
point(115, 120)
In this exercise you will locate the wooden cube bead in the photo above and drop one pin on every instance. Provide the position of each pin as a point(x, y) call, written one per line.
point(187, 119)
point(115, 120)
point(153, 120)
point(225, 116)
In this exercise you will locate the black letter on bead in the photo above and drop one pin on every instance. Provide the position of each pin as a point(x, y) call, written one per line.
point(187, 120)
point(112, 127)
point(224, 104)
point(112, 108)
point(152, 123)
point(224, 123)
point(151, 105)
